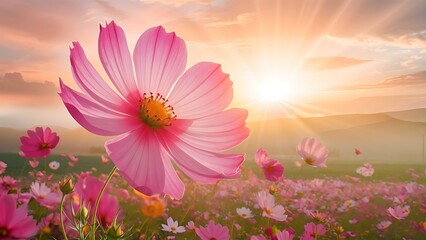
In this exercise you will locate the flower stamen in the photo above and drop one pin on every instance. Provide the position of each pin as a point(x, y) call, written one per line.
point(155, 112)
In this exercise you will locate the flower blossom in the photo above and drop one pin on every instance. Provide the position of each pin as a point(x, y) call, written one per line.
point(161, 115)
point(312, 152)
point(38, 143)
point(3, 167)
point(267, 203)
point(15, 222)
point(213, 231)
point(244, 212)
point(399, 212)
point(272, 169)
point(172, 226)
point(366, 170)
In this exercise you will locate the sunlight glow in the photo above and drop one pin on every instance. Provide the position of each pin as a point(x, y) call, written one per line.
point(277, 90)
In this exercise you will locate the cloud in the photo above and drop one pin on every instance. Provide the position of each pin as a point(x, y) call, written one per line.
point(14, 84)
point(331, 63)
point(407, 80)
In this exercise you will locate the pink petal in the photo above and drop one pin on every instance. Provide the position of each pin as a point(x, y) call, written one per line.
point(201, 91)
point(137, 155)
point(115, 58)
point(202, 166)
point(89, 80)
point(46, 134)
point(159, 58)
point(173, 185)
point(7, 208)
point(96, 118)
point(217, 133)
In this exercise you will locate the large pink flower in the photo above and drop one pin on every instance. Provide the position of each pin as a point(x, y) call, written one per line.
point(15, 222)
point(160, 114)
point(38, 143)
point(312, 152)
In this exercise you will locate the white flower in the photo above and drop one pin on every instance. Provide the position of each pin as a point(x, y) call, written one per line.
point(244, 212)
point(172, 226)
point(54, 165)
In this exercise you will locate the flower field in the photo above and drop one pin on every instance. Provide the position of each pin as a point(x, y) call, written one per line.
point(336, 201)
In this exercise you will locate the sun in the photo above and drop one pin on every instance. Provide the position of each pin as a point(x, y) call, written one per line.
point(274, 91)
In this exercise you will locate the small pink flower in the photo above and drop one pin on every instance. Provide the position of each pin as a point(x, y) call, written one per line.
point(399, 212)
point(38, 143)
point(54, 165)
point(383, 225)
point(8, 183)
point(71, 164)
point(190, 226)
point(15, 222)
point(312, 230)
point(104, 159)
point(43, 195)
point(312, 152)
point(284, 235)
point(366, 170)
point(244, 212)
point(3, 167)
point(72, 158)
point(267, 203)
point(172, 226)
point(261, 157)
point(160, 113)
point(273, 170)
point(33, 163)
point(213, 231)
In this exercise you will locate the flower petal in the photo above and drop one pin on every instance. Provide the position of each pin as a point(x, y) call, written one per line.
point(94, 117)
point(202, 166)
point(115, 58)
point(159, 58)
point(217, 133)
point(137, 155)
point(89, 80)
point(173, 186)
point(201, 91)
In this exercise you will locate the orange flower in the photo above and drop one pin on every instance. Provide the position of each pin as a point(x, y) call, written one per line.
point(151, 206)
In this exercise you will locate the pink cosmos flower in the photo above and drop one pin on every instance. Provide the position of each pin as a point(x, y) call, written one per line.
point(87, 189)
point(213, 231)
point(33, 163)
point(15, 222)
point(172, 226)
point(190, 226)
point(267, 203)
point(383, 225)
point(159, 115)
point(272, 169)
point(8, 183)
point(104, 159)
point(244, 212)
point(54, 165)
point(312, 152)
point(38, 143)
point(43, 195)
point(399, 212)
point(3, 167)
point(284, 235)
point(366, 170)
point(312, 230)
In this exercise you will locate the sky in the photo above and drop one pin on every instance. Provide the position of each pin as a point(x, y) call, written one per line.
point(287, 58)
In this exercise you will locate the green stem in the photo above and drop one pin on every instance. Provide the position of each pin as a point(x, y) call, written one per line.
point(61, 210)
point(98, 199)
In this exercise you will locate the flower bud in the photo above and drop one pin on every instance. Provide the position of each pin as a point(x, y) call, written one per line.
point(66, 186)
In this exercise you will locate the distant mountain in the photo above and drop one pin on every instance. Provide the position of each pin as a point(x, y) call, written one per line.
point(413, 115)
point(385, 137)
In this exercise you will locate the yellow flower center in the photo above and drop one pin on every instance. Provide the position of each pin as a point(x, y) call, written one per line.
point(267, 211)
point(154, 111)
point(173, 228)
